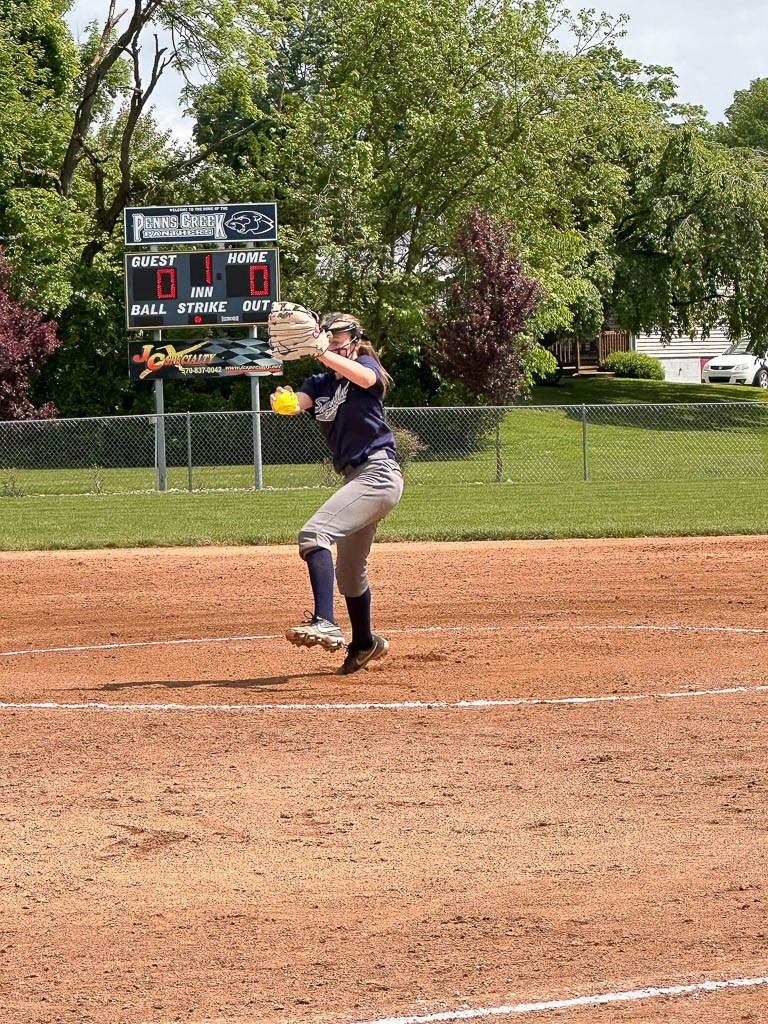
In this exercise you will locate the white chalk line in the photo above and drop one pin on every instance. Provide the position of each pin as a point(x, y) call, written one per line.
point(564, 628)
point(409, 705)
point(564, 1004)
point(140, 643)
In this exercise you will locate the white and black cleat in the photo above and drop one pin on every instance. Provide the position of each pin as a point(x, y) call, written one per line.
point(357, 659)
point(315, 631)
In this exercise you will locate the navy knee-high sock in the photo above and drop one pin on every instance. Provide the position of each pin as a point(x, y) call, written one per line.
point(320, 564)
point(359, 609)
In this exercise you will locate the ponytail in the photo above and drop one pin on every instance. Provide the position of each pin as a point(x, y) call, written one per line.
point(367, 349)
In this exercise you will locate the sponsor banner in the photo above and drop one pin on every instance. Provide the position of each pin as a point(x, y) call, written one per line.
point(231, 222)
point(187, 289)
point(207, 357)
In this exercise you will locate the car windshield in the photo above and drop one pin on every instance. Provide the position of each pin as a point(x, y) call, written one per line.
point(738, 348)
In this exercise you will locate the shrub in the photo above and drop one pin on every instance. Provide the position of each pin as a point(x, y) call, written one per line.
point(328, 475)
point(633, 364)
point(408, 446)
point(10, 486)
point(543, 367)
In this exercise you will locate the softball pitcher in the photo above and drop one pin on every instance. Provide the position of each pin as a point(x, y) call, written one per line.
point(347, 403)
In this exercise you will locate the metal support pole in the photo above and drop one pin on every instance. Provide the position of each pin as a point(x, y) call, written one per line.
point(584, 438)
point(253, 332)
point(160, 466)
point(189, 449)
point(256, 416)
point(162, 472)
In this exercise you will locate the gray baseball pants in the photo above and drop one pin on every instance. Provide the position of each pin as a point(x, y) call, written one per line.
point(350, 517)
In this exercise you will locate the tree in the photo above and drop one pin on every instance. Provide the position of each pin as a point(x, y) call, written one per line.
point(691, 243)
point(481, 326)
point(106, 148)
point(389, 120)
point(78, 141)
point(25, 343)
point(376, 125)
point(39, 229)
point(747, 118)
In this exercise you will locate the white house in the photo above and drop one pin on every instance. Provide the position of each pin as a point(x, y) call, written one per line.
point(682, 358)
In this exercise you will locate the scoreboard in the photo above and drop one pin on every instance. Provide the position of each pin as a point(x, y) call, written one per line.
point(186, 289)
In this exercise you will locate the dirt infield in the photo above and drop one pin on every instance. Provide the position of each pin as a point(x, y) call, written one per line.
point(327, 864)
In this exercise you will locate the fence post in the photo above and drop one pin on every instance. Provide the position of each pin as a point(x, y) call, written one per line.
point(584, 439)
point(189, 449)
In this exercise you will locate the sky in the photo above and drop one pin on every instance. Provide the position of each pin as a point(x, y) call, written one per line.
point(715, 46)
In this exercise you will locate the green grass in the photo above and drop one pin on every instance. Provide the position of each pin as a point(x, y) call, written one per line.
point(591, 390)
point(540, 442)
point(112, 481)
point(669, 443)
point(506, 511)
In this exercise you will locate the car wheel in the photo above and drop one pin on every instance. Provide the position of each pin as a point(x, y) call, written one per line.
point(761, 380)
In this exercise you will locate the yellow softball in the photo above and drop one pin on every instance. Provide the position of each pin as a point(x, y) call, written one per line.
point(285, 402)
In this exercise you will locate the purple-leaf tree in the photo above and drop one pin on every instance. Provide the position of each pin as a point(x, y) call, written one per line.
point(480, 325)
point(25, 343)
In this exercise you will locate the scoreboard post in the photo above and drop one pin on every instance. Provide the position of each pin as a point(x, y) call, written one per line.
point(221, 287)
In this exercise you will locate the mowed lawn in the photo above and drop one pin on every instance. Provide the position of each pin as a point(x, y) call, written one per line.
point(655, 465)
point(427, 512)
point(629, 430)
point(599, 390)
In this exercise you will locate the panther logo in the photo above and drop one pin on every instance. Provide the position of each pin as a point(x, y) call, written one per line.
point(248, 222)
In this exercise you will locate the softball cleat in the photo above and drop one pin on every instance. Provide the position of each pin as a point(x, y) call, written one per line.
point(356, 660)
point(315, 631)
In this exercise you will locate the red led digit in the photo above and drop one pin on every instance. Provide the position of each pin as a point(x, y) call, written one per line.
point(262, 280)
point(208, 269)
point(166, 289)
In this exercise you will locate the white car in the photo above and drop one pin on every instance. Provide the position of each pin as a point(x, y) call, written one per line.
point(737, 366)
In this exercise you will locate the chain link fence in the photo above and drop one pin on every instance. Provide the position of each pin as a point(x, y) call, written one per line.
point(442, 446)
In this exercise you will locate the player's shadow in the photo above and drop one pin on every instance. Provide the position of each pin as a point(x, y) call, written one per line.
point(266, 684)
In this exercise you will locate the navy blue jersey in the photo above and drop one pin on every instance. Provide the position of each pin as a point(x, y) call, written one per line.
point(351, 417)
